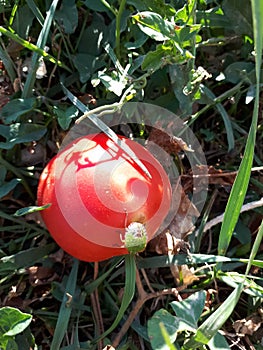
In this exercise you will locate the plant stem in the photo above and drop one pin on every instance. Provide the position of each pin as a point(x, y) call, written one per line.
point(118, 27)
point(31, 47)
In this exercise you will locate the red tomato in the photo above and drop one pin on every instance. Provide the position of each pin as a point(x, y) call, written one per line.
point(96, 191)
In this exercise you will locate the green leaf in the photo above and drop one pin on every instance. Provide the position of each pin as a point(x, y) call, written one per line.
point(171, 324)
point(112, 84)
point(191, 308)
point(87, 64)
point(153, 25)
point(221, 110)
point(13, 321)
point(97, 5)
point(160, 7)
point(94, 37)
point(154, 60)
point(159, 29)
point(41, 43)
point(129, 289)
point(218, 342)
point(166, 337)
point(238, 71)
point(6, 187)
point(65, 115)
point(241, 11)
point(24, 258)
point(67, 16)
point(21, 132)
point(213, 323)
point(23, 21)
point(17, 107)
point(32, 209)
point(234, 279)
point(65, 308)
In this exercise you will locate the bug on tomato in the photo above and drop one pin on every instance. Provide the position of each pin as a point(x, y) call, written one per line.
point(96, 191)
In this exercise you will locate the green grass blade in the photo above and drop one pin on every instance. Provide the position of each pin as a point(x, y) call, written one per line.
point(26, 44)
point(240, 185)
point(255, 247)
point(8, 64)
point(212, 324)
point(31, 4)
point(93, 285)
point(129, 289)
point(221, 110)
point(65, 308)
point(41, 42)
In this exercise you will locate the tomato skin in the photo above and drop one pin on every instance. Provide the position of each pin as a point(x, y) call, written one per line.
point(96, 191)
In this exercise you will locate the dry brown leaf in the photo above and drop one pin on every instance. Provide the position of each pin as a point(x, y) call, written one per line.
point(183, 274)
point(172, 239)
point(169, 143)
point(201, 173)
point(39, 275)
point(250, 324)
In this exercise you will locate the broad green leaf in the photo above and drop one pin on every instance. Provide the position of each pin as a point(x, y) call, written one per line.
point(98, 5)
point(180, 76)
point(13, 321)
point(67, 16)
point(218, 342)
point(163, 55)
point(23, 21)
point(86, 65)
point(138, 39)
point(166, 337)
point(65, 115)
point(191, 308)
point(153, 25)
point(17, 107)
point(6, 187)
point(241, 11)
point(213, 18)
point(159, 29)
point(171, 324)
point(160, 7)
point(112, 84)
point(21, 132)
point(213, 323)
point(238, 71)
point(94, 37)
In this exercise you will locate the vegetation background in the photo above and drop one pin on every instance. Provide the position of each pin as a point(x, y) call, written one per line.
point(200, 59)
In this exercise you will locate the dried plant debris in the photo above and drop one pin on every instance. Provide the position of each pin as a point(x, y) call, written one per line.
point(250, 324)
point(169, 143)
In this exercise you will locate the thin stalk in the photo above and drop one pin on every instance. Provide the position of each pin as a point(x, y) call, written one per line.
point(118, 28)
point(216, 100)
point(31, 47)
point(13, 12)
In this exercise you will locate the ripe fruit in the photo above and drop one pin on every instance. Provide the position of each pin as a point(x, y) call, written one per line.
point(96, 191)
